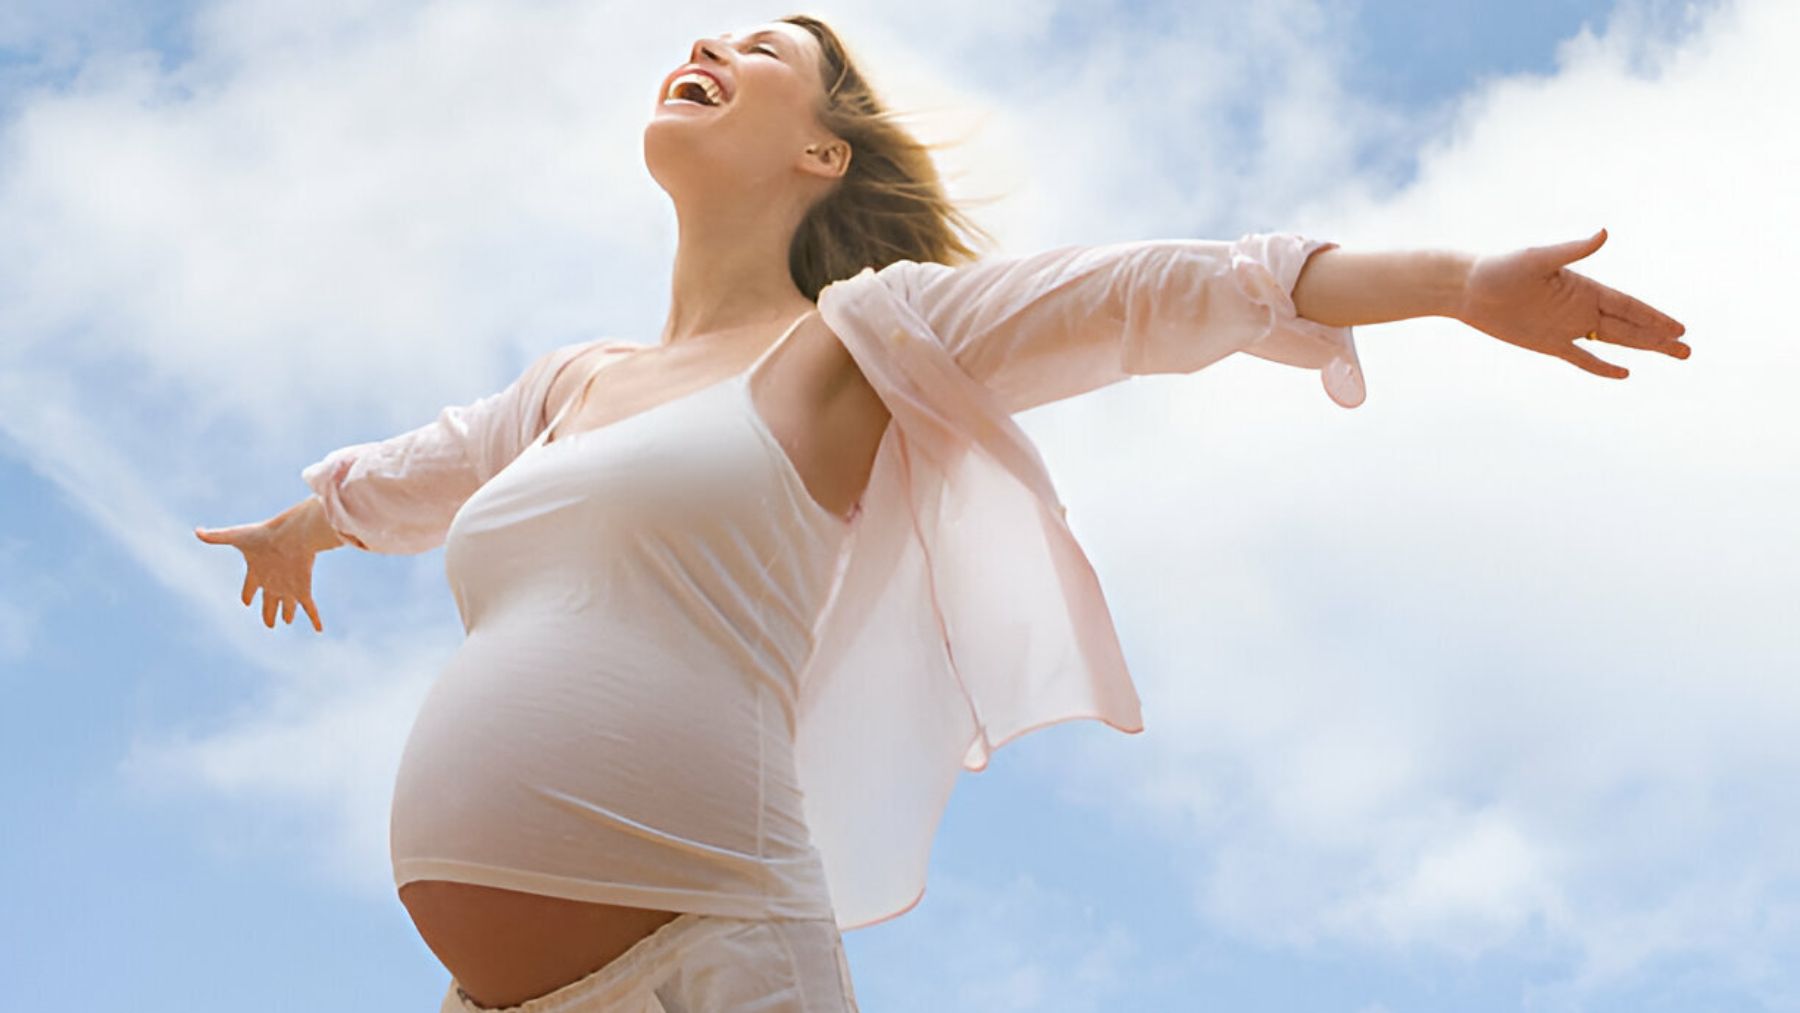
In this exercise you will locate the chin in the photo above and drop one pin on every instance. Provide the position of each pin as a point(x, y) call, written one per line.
point(666, 148)
point(679, 156)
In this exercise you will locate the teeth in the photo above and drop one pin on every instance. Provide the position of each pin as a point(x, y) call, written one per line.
point(706, 84)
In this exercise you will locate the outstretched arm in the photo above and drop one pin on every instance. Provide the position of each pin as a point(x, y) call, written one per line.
point(1349, 288)
point(1525, 297)
point(398, 495)
point(1059, 323)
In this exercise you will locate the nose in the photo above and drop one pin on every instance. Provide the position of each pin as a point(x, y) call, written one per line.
point(705, 50)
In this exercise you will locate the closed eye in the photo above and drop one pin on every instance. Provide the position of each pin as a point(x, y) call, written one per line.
point(765, 47)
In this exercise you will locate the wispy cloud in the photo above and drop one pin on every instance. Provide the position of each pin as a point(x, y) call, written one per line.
point(1010, 944)
point(321, 753)
point(1505, 657)
point(18, 609)
point(16, 621)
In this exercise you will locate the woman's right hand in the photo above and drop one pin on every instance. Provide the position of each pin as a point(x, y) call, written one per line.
point(278, 557)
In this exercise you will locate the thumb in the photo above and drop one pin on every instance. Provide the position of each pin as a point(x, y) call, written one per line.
point(1575, 249)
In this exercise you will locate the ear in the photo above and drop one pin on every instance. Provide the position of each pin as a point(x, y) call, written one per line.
point(830, 159)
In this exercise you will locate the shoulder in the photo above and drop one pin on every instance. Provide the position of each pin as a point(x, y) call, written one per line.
point(563, 369)
point(899, 275)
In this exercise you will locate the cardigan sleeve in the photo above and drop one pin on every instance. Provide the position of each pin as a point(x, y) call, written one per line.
point(1059, 323)
point(398, 495)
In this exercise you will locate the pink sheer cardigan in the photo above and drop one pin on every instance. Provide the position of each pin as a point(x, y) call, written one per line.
point(965, 613)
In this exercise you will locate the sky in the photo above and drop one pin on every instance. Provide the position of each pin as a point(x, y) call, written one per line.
point(1484, 695)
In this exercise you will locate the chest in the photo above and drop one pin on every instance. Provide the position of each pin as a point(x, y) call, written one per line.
point(807, 391)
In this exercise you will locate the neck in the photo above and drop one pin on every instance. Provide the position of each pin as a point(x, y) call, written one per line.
point(731, 269)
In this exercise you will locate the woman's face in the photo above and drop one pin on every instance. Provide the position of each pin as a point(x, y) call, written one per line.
point(739, 114)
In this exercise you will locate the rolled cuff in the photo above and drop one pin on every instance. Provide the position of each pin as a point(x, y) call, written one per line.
point(326, 477)
point(1265, 268)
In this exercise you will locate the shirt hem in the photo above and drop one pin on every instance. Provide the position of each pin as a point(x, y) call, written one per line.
point(729, 905)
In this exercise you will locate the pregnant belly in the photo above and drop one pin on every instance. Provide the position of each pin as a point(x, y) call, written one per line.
point(583, 759)
point(600, 770)
point(504, 947)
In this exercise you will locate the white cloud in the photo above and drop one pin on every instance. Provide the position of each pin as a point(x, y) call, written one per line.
point(1475, 880)
point(1509, 651)
point(1130, 131)
point(316, 756)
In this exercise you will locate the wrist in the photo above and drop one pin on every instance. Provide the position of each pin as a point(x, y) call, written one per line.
point(310, 526)
point(1452, 283)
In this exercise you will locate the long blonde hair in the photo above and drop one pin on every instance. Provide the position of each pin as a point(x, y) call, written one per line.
point(890, 203)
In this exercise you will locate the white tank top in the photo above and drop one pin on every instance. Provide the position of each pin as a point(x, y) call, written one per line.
point(618, 724)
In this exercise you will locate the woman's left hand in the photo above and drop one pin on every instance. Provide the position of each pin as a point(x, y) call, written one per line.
point(1528, 298)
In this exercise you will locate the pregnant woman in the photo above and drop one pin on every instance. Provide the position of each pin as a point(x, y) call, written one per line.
point(740, 604)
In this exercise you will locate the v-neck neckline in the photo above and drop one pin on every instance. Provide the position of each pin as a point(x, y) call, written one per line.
point(549, 437)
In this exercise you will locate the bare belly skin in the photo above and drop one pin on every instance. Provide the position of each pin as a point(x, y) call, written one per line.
point(504, 946)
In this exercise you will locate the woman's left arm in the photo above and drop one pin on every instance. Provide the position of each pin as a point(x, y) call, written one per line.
point(1527, 298)
point(1062, 322)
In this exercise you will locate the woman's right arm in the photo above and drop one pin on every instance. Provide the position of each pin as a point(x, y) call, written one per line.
point(278, 557)
point(398, 495)
point(394, 496)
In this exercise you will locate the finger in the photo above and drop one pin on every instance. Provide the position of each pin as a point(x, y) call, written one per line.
point(1633, 322)
point(313, 613)
point(1594, 364)
point(287, 611)
point(268, 608)
point(1629, 335)
point(1574, 249)
point(249, 586)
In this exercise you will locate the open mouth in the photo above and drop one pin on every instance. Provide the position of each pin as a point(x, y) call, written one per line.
point(695, 89)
